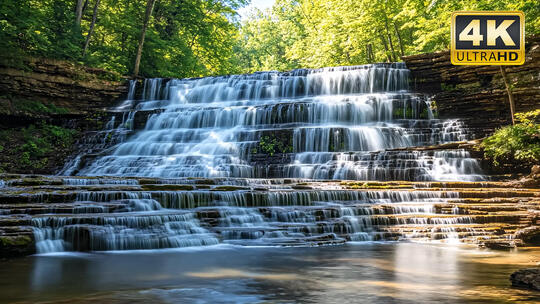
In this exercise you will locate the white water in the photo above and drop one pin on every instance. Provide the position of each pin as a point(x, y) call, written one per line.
point(333, 123)
point(210, 127)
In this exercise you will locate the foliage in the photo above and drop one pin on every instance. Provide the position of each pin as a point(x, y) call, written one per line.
point(192, 38)
point(271, 145)
point(32, 146)
point(32, 106)
point(520, 142)
point(185, 38)
point(318, 33)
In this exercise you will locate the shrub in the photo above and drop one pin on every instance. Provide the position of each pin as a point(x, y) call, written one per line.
point(519, 142)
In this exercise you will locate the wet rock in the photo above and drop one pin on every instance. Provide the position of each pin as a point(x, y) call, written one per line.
point(529, 235)
point(229, 188)
point(498, 244)
point(301, 187)
point(149, 187)
point(477, 94)
point(17, 245)
point(526, 278)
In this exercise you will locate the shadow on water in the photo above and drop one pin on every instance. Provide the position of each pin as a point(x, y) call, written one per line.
point(367, 272)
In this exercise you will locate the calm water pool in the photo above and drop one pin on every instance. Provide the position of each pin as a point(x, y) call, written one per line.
point(360, 273)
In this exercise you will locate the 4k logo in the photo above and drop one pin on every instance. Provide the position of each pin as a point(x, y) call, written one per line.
point(488, 38)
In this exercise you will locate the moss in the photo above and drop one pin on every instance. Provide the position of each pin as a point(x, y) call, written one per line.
point(203, 186)
point(31, 148)
point(146, 181)
point(205, 182)
point(15, 241)
point(37, 107)
point(448, 87)
point(36, 182)
point(229, 188)
point(377, 185)
point(154, 187)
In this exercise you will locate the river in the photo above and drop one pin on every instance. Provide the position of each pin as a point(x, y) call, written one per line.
point(372, 272)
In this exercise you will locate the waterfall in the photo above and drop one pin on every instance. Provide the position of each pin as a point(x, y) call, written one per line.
point(330, 120)
point(189, 174)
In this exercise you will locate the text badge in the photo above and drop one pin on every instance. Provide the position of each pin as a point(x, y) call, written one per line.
point(488, 38)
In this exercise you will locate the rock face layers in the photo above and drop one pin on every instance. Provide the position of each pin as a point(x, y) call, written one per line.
point(51, 214)
point(51, 96)
point(477, 93)
point(79, 89)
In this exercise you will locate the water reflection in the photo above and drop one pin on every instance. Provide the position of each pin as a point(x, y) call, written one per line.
point(372, 272)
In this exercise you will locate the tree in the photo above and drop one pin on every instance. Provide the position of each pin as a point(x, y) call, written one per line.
point(79, 12)
point(91, 30)
point(509, 92)
point(318, 33)
point(149, 8)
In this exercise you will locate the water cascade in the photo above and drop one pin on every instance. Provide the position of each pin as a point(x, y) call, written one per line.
point(334, 123)
point(188, 174)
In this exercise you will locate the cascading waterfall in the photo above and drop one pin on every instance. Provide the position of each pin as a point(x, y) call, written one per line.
point(332, 123)
point(210, 126)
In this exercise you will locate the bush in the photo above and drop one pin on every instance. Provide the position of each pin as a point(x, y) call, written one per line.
point(519, 142)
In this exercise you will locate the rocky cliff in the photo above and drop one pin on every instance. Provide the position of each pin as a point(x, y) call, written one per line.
point(45, 106)
point(477, 93)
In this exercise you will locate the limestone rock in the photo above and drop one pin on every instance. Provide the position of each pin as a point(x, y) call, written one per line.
point(477, 93)
point(529, 235)
point(526, 278)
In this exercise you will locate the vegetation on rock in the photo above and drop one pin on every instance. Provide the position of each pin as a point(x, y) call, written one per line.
point(34, 146)
point(271, 145)
point(520, 141)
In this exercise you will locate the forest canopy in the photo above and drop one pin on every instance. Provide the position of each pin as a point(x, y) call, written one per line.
point(192, 38)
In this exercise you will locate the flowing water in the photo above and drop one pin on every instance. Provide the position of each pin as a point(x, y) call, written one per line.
point(335, 123)
point(236, 180)
point(331, 123)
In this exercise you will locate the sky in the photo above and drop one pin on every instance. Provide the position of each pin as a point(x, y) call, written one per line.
point(260, 4)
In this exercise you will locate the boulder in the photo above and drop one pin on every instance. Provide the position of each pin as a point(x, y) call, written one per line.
point(529, 235)
point(526, 278)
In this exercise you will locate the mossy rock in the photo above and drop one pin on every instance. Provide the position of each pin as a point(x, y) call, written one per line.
point(301, 187)
point(15, 246)
point(203, 187)
point(36, 182)
point(146, 181)
point(229, 188)
point(154, 187)
point(205, 182)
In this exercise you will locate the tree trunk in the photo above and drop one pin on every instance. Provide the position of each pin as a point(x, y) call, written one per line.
point(386, 48)
point(370, 55)
point(390, 39)
point(78, 12)
point(399, 40)
point(510, 95)
point(148, 13)
point(84, 6)
point(91, 30)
